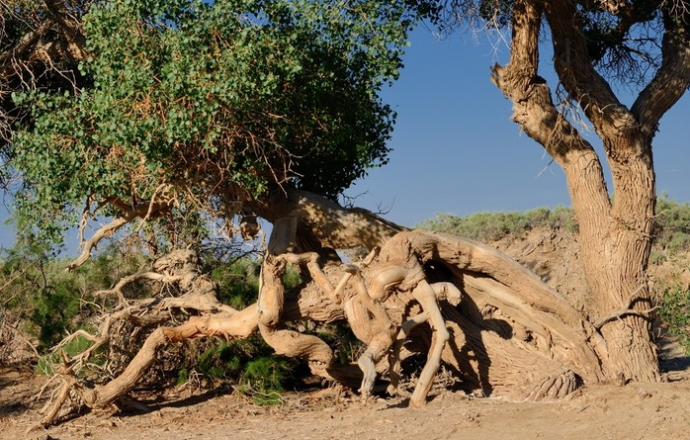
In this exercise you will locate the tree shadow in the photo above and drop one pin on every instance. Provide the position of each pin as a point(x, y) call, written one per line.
point(672, 356)
point(675, 365)
point(18, 402)
point(130, 406)
point(472, 361)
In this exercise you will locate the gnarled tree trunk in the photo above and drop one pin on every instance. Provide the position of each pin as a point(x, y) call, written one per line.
point(615, 234)
point(511, 334)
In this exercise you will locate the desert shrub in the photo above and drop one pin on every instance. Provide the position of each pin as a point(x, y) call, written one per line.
point(249, 363)
point(55, 310)
point(263, 379)
point(656, 257)
point(491, 226)
point(672, 225)
point(674, 311)
point(238, 280)
point(345, 345)
point(51, 303)
point(225, 359)
point(78, 345)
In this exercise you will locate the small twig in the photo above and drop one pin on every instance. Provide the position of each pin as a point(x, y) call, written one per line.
point(42, 390)
point(624, 312)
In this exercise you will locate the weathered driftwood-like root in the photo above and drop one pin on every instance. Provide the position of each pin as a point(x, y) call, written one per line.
point(424, 294)
point(544, 330)
point(372, 324)
point(503, 294)
point(270, 313)
point(511, 335)
point(215, 320)
point(444, 291)
point(238, 326)
point(179, 269)
point(271, 304)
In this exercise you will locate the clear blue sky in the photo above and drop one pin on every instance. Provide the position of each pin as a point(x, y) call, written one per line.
point(457, 151)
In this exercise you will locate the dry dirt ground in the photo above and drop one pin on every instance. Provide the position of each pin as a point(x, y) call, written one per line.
point(655, 411)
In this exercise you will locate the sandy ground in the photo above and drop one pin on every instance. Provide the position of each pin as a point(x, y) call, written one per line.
point(654, 411)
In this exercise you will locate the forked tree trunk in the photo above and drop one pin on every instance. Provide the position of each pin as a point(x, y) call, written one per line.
point(614, 235)
point(615, 245)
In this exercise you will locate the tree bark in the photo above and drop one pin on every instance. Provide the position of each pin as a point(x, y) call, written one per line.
point(614, 235)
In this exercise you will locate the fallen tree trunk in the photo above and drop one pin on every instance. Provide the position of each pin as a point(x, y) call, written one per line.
point(511, 334)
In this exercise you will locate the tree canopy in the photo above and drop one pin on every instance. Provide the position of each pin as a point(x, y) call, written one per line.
point(190, 106)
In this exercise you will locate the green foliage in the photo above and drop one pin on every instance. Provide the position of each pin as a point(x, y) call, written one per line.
point(79, 344)
point(182, 377)
point(263, 378)
point(345, 345)
point(675, 314)
point(251, 363)
point(54, 313)
point(223, 360)
point(51, 302)
point(291, 278)
point(672, 225)
point(486, 226)
point(238, 282)
point(215, 102)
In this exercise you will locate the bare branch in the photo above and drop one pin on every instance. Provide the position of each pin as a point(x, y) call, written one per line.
point(105, 231)
point(153, 276)
point(670, 82)
point(143, 210)
point(617, 314)
point(577, 74)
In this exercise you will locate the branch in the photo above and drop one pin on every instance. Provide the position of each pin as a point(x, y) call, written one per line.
point(117, 289)
point(670, 82)
point(624, 312)
point(577, 74)
point(76, 41)
point(105, 231)
point(533, 108)
point(26, 41)
point(142, 210)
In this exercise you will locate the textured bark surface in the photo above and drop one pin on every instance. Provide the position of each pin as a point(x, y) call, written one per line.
point(614, 233)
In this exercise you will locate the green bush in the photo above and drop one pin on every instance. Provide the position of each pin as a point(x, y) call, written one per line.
point(672, 225)
point(250, 363)
point(263, 379)
point(238, 281)
point(345, 345)
point(491, 226)
point(675, 314)
point(54, 314)
point(78, 345)
point(224, 360)
point(52, 303)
